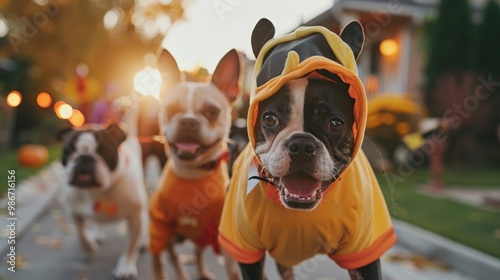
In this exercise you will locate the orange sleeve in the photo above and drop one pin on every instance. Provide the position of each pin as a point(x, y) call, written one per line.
point(239, 254)
point(160, 225)
point(368, 255)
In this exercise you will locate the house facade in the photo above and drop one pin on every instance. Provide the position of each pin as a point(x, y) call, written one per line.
point(393, 57)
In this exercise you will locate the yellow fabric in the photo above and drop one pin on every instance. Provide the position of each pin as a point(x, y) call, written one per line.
point(351, 216)
point(190, 208)
point(351, 223)
point(292, 62)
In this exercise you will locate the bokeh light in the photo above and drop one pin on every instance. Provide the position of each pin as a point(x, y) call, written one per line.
point(111, 19)
point(388, 47)
point(148, 82)
point(4, 27)
point(77, 118)
point(64, 111)
point(57, 105)
point(14, 98)
point(43, 100)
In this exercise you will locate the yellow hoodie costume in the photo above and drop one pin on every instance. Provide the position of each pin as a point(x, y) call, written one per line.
point(190, 208)
point(351, 223)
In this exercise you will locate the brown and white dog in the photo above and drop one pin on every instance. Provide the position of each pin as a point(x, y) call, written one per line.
point(195, 119)
point(105, 183)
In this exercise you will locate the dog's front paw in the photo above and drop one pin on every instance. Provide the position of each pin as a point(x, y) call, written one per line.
point(89, 245)
point(124, 270)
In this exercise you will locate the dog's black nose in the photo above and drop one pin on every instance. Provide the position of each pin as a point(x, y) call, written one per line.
point(85, 164)
point(189, 124)
point(301, 146)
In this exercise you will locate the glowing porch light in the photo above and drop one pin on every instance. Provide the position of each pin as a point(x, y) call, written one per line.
point(14, 98)
point(388, 47)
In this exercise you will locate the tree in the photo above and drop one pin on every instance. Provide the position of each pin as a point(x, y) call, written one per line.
point(449, 79)
point(452, 41)
point(102, 33)
point(489, 41)
point(489, 67)
point(111, 37)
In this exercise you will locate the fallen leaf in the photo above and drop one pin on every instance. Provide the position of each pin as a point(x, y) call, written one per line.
point(55, 242)
point(395, 257)
point(423, 262)
point(41, 240)
point(21, 262)
point(36, 227)
point(68, 229)
point(56, 214)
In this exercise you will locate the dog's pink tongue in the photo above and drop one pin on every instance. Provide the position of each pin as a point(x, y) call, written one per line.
point(187, 147)
point(84, 177)
point(300, 184)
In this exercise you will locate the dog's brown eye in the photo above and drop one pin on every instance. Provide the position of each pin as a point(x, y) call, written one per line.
point(212, 113)
point(335, 124)
point(270, 120)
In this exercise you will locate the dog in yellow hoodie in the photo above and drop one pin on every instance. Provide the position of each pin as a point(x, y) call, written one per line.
point(303, 186)
point(195, 119)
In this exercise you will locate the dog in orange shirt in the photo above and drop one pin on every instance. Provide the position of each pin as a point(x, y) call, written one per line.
point(195, 119)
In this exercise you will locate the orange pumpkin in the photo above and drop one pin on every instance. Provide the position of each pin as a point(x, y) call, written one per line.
point(32, 155)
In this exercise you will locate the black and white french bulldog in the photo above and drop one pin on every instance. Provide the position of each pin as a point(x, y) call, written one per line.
point(105, 183)
point(304, 132)
point(305, 140)
point(195, 119)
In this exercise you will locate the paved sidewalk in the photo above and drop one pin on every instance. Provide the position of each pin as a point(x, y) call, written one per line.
point(33, 197)
point(484, 198)
point(487, 198)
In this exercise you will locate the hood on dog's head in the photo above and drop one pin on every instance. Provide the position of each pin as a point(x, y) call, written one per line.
point(307, 52)
point(227, 76)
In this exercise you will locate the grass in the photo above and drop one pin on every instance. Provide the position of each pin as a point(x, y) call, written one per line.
point(9, 161)
point(472, 226)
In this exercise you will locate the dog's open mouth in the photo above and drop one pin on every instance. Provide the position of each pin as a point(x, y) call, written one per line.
point(190, 151)
point(186, 151)
point(299, 190)
point(84, 180)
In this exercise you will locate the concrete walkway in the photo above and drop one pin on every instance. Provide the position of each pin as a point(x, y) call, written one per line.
point(33, 197)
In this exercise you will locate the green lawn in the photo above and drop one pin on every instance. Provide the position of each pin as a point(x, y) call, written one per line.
point(469, 225)
point(9, 161)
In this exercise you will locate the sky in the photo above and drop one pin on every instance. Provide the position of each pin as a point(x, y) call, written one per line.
point(213, 27)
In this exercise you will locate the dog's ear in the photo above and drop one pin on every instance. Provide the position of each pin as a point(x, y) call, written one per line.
point(63, 133)
point(228, 75)
point(169, 70)
point(262, 32)
point(115, 131)
point(354, 36)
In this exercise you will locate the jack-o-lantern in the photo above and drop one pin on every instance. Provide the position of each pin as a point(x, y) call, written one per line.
point(32, 156)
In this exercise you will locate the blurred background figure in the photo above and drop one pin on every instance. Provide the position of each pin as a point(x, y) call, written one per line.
point(103, 110)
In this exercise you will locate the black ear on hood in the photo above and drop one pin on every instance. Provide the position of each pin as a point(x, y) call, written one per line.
point(354, 36)
point(262, 32)
point(227, 75)
point(169, 70)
